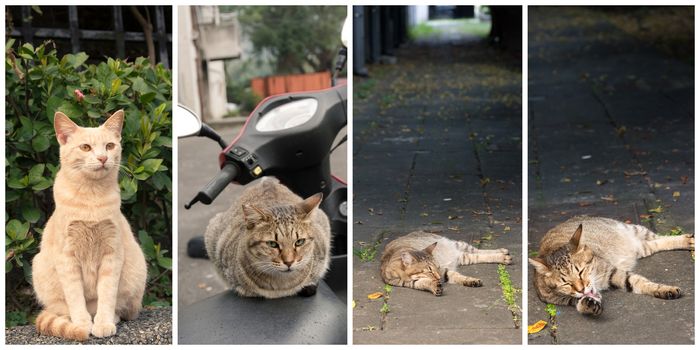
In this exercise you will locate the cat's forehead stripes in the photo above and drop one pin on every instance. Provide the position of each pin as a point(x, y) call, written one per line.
point(559, 258)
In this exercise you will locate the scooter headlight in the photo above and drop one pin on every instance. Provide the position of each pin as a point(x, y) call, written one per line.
point(288, 115)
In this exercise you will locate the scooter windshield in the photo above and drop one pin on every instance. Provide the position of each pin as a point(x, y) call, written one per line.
point(287, 115)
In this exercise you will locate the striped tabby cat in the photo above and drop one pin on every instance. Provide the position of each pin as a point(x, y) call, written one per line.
point(572, 269)
point(420, 259)
point(271, 243)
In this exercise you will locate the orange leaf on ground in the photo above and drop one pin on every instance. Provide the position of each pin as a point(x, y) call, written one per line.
point(375, 296)
point(538, 326)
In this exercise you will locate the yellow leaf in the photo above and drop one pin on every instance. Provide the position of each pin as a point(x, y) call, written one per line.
point(538, 326)
point(354, 303)
point(375, 296)
point(676, 195)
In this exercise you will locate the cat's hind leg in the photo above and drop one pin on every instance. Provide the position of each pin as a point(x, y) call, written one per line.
point(482, 258)
point(639, 284)
point(662, 243)
point(454, 277)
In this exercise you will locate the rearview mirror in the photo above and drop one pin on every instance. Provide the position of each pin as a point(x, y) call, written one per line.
point(186, 122)
point(345, 32)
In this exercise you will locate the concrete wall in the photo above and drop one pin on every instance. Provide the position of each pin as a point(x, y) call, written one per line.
point(214, 37)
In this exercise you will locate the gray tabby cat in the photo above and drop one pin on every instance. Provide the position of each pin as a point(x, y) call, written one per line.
point(271, 243)
point(420, 259)
point(586, 255)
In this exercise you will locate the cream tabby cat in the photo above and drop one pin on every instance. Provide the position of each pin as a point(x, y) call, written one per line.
point(419, 259)
point(585, 255)
point(270, 243)
point(90, 272)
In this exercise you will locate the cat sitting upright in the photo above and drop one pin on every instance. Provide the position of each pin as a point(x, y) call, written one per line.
point(90, 264)
point(420, 259)
point(271, 243)
point(584, 255)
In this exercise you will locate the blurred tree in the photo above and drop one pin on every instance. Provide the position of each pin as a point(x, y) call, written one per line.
point(300, 39)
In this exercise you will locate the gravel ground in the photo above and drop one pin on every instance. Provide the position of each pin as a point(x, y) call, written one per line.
point(154, 326)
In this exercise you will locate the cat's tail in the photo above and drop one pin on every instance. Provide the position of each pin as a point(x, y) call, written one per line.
point(49, 323)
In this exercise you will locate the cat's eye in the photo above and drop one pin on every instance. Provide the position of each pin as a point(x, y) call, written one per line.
point(110, 146)
point(85, 147)
point(299, 242)
point(273, 244)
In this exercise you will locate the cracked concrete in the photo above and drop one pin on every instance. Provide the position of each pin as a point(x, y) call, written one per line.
point(437, 147)
point(610, 135)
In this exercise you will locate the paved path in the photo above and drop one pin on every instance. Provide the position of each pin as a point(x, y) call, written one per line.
point(153, 326)
point(610, 134)
point(437, 146)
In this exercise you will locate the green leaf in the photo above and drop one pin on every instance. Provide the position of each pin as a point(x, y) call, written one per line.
point(164, 262)
point(31, 214)
point(76, 60)
point(147, 244)
point(150, 166)
point(17, 230)
point(129, 188)
point(40, 143)
point(139, 85)
point(36, 173)
point(42, 185)
point(52, 105)
point(71, 109)
point(18, 182)
point(116, 83)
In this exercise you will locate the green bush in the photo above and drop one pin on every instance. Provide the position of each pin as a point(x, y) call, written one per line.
point(37, 84)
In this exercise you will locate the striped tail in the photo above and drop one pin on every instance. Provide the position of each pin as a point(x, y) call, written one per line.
point(48, 323)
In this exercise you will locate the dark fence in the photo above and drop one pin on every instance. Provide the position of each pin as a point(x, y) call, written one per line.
point(99, 31)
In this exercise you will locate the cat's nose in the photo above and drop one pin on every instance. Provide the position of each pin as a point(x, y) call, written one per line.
point(289, 263)
point(102, 159)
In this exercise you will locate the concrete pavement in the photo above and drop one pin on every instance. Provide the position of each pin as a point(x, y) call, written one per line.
point(437, 146)
point(610, 134)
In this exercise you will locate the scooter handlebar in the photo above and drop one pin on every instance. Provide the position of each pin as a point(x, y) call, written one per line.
point(207, 194)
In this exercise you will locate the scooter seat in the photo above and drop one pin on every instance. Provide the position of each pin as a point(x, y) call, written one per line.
point(229, 319)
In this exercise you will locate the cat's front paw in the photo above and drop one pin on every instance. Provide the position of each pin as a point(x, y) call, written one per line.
point(507, 260)
point(436, 288)
point(668, 292)
point(474, 282)
point(83, 328)
point(307, 291)
point(589, 306)
point(504, 251)
point(691, 241)
point(102, 330)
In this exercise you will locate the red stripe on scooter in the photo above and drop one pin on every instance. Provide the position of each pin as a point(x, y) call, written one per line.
point(222, 155)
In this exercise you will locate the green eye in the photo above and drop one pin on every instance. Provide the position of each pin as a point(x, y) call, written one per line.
point(299, 242)
point(272, 244)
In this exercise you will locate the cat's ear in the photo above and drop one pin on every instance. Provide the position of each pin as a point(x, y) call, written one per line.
point(429, 249)
point(575, 242)
point(254, 215)
point(540, 265)
point(407, 259)
point(311, 203)
point(64, 127)
point(115, 122)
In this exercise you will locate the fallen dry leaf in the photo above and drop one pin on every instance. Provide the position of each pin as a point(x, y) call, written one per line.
point(676, 195)
point(375, 296)
point(538, 326)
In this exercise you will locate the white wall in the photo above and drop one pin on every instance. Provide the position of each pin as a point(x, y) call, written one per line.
point(188, 93)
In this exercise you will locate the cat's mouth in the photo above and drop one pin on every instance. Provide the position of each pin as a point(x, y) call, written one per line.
point(590, 292)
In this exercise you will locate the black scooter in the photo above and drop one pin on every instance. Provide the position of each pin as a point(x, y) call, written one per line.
point(289, 136)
